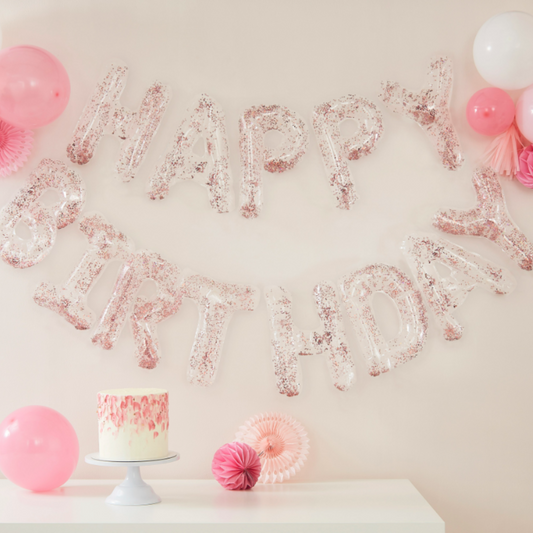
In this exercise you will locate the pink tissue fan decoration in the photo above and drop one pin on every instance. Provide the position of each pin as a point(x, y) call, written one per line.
point(502, 154)
point(236, 466)
point(15, 147)
point(280, 441)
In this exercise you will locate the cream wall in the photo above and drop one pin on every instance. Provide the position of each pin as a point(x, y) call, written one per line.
point(457, 420)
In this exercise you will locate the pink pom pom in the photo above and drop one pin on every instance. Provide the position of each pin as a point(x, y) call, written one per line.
point(525, 171)
point(236, 466)
point(15, 147)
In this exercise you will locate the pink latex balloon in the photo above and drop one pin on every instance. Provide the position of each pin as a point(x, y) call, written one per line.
point(34, 87)
point(490, 111)
point(524, 113)
point(38, 448)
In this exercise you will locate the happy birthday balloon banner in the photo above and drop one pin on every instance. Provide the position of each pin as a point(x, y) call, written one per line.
point(217, 301)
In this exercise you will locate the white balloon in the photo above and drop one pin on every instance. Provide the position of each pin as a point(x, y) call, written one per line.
point(503, 50)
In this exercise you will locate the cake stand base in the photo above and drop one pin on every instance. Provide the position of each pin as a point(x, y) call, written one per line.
point(133, 490)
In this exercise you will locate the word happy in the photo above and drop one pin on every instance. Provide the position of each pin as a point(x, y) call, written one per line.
point(217, 301)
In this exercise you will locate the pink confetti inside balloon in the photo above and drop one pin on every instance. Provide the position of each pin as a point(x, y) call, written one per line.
point(253, 125)
point(357, 290)
point(216, 301)
point(34, 87)
point(490, 111)
point(104, 115)
point(42, 220)
point(281, 442)
point(15, 147)
point(146, 314)
point(70, 299)
point(444, 294)
point(206, 121)
point(337, 149)
point(236, 466)
point(290, 343)
point(430, 108)
point(38, 448)
point(489, 219)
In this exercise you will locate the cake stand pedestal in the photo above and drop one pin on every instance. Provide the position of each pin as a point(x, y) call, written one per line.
point(133, 490)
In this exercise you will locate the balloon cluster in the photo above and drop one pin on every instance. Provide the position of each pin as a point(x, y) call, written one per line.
point(503, 55)
point(34, 91)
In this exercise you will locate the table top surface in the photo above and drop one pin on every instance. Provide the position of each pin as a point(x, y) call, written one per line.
point(206, 502)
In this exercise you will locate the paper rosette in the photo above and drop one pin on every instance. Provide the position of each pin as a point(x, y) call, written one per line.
point(236, 466)
point(281, 443)
point(15, 147)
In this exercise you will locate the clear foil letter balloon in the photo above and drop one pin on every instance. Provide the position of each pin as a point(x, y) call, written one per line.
point(490, 219)
point(358, 289)
point(146, 314)
point(255, 157)
point(205, 121)
point(104, 115)
point(216, 301)
point(289, 343)
point(444, 294)
point(430, 109)
point(336, 149)
point(70, 300)
point(42, 220)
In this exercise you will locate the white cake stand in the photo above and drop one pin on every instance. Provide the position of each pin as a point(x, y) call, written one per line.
point(133, 490)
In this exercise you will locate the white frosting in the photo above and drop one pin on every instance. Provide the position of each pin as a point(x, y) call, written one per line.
point(133, 424)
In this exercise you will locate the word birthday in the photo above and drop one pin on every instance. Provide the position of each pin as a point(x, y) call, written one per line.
point(217, 301)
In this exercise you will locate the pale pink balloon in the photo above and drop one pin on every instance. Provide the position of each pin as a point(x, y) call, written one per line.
point(490, 111)
point(34, 87)
point(524, 113)
point(38, 448)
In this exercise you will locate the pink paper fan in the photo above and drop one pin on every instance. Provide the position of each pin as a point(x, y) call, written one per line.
point(236, 466)
point(502, 154)
point(15, 147)
point(281, 443)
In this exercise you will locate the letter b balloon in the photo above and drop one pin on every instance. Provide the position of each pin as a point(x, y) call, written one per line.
point(38, 448)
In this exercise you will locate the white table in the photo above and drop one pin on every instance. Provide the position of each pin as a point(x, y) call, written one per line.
point(363, 506)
